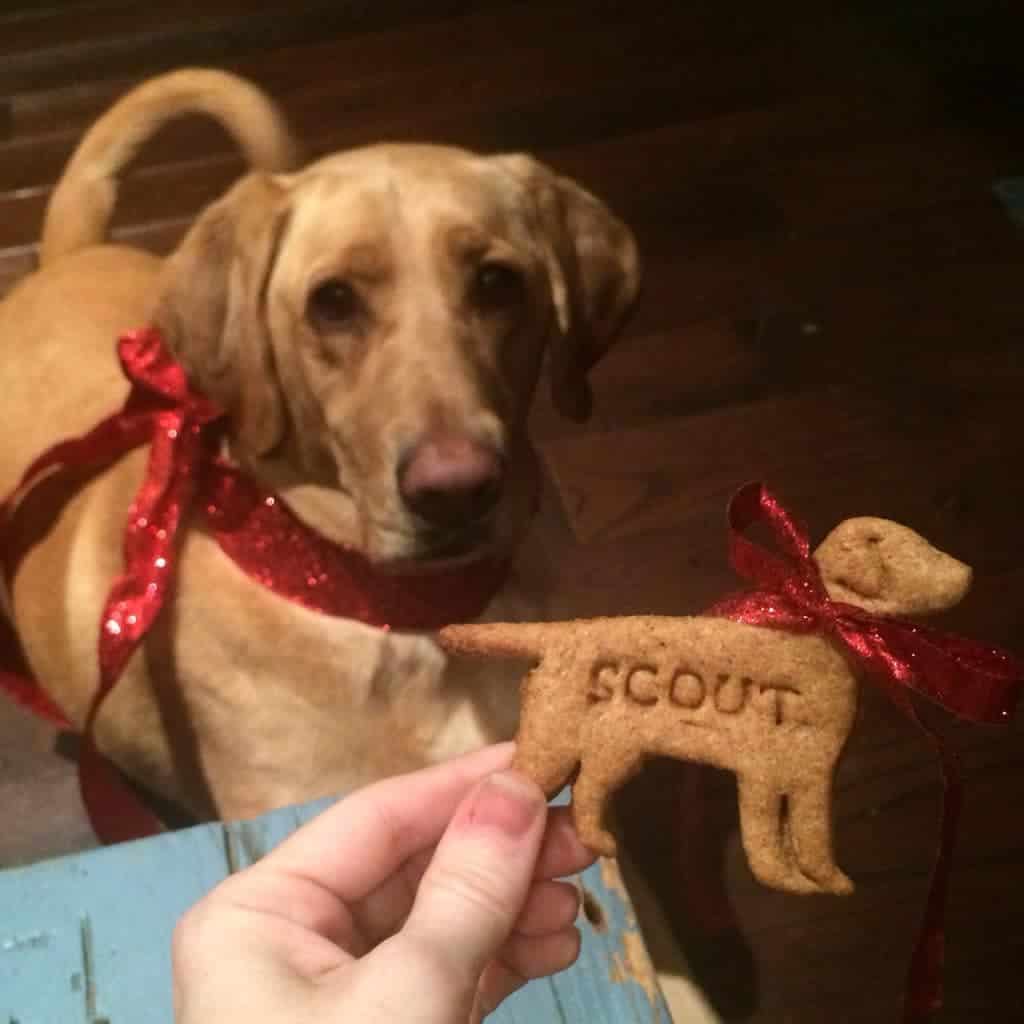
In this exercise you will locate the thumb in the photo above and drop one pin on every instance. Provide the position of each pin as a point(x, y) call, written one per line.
point(475, 886)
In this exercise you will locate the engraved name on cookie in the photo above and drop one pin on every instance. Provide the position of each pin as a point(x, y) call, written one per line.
point(646, 684)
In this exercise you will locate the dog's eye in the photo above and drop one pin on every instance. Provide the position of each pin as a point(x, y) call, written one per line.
point(497, 286)
point(333, 304)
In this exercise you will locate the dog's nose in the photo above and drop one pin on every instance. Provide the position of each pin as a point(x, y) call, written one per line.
point(450, 480)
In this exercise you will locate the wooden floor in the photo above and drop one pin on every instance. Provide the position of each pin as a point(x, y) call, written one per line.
point(834, 302)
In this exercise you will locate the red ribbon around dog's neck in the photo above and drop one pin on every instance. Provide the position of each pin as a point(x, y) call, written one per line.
point(254, 528)
point(979, 684)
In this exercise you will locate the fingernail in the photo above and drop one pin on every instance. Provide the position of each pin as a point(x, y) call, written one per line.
point(507, 802)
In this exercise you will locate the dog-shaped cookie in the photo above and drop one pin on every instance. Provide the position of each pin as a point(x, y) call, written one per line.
point(773, 706)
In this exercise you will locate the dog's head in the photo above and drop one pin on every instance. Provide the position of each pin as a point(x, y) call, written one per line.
point(378, 322)
point(889, 569)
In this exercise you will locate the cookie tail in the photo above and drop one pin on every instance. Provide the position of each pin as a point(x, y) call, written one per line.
point(509, 639)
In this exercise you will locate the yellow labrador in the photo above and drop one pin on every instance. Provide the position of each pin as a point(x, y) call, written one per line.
point(375, 324)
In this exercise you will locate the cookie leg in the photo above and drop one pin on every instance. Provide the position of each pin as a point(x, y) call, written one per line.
point(763, 828)
point(548, 755)
point(600, 775)
point(551, 773)
point(810, 824)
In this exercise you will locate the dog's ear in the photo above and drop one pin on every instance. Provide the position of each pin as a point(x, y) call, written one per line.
point(211, 307)
point(594, 270)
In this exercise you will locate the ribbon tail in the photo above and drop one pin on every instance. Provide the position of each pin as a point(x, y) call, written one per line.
point(103, 444)
point(26, 693)
point(115, 811)
point(82, 455)
point(976, 683)
point(134, 601)
point(753, 504)
point(923, 994)
point(98, 447)
point(924, 977)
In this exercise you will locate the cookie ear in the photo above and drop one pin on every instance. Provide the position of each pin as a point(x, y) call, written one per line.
point(851, 563)
point(211, 308)
point(594, 272)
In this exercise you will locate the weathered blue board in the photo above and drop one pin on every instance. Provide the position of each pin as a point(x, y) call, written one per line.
point(86, 939)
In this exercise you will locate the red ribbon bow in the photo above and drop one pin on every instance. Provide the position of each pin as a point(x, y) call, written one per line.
point(162, 410)
point(253, 527)
point(976, 683)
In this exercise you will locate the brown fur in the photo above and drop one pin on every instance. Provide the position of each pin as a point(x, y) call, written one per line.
point(241, 701)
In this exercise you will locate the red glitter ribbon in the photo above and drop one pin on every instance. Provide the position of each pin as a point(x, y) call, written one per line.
point(975, 683)
point(253, 527)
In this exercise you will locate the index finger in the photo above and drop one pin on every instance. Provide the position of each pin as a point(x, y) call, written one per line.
point(363, 839)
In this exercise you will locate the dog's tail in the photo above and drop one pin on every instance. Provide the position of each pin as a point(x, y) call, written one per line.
point(509, 639)
point(83, 201)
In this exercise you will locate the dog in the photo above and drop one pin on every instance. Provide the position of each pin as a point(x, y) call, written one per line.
point(774, 707)
point(375, 326)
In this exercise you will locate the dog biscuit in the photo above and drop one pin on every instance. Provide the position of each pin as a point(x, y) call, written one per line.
point(773, 706)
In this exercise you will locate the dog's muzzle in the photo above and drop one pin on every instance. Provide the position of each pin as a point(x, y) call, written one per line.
point(451, 483)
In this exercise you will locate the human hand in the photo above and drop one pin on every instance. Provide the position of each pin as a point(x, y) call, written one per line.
point(423, 899)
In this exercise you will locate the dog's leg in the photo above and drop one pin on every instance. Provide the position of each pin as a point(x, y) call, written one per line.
point(764, 830)
point(809, 822)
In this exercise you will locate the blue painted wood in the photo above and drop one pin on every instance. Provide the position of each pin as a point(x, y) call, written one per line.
point(103, 921)
point(40, 966)
point(86, 939)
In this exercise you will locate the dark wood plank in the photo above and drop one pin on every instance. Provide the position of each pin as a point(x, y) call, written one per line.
point(175, 38)
point(666, 473)
point(472, 97)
